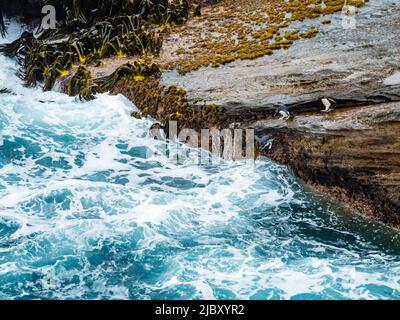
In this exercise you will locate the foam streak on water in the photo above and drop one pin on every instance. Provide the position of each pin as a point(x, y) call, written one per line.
point(85, 213)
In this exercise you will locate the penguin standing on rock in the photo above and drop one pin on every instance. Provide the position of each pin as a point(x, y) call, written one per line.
point(327, 103)
point(262, 144)
point(235, 125)
point(284, 113)
point(155, 131)
point(265, 142)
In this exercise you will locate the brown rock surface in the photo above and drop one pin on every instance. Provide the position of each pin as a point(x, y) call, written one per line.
point(353, 152)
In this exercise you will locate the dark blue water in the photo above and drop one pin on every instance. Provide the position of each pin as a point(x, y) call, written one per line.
point(87, 212)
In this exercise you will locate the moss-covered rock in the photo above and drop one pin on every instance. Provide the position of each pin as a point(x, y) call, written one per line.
point(168, 103)
point(247, 30)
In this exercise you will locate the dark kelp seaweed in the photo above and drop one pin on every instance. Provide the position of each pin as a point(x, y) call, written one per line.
point(83, 85)
point(88, 31)
point(139, 70)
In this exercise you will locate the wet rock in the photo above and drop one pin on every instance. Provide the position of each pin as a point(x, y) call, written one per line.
point(347, 64)
point(353, 152)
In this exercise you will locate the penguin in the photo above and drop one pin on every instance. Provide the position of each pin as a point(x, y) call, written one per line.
point(327, 103)
point(262, 144)
point(265, 142)
point(235, 125)
point(284, 113)
point(155, 131)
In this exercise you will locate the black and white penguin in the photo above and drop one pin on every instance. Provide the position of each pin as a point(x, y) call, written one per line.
point(156, 131)
point(262, 144)
point(284, 113)
point(265, 142)
point(235, 125)
point(327, 103)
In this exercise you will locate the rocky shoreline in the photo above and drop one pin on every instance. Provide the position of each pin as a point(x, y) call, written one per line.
point(351, 153)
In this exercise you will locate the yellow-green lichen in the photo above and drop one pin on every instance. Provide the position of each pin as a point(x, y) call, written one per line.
point(248, 29)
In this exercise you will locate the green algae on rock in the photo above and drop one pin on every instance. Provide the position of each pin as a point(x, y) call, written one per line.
point(167, 103)
point(245, 30)
point(83, 85)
